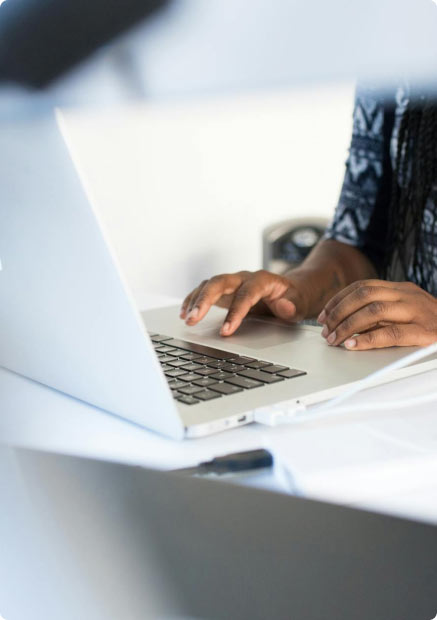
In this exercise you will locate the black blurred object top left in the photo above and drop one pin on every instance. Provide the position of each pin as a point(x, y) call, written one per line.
point(42, 39)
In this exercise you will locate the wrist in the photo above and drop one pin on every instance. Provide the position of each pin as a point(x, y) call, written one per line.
point(315, 286)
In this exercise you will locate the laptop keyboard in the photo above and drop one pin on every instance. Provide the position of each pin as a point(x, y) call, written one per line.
point(197, 373)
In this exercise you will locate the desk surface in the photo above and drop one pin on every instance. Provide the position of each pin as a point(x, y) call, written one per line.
point(381, 461)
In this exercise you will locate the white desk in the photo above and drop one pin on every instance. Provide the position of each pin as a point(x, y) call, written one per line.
point(384, 461)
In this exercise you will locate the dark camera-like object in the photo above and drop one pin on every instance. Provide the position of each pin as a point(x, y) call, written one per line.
point(286, 244)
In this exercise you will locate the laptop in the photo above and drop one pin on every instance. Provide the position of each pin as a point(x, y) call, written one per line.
point(68, 319)
point(103, 541)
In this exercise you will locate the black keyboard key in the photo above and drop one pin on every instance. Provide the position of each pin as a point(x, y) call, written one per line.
point(275, 368)
point(189, 357)
point(201, 359)
point(205, 382)
point(166, 367)
point(200, 348)
point(176, 353)
point(206, 371)
point(221, 375)
point(164, 349)
point(292, 372)
point(194, 366)
point(190, 389)
point(207, 395)
point(231, 367)
point(243, 382)
point(258, 364)
point(176, 372)
point(217, 364)
point(159, 338)
point(188, 377)
point(164, 359)
point(176, 394)
point(226, 388)
point(188, 400)
point(177, 363)
point(241, 359)
point(175, 384)
point(260, 375)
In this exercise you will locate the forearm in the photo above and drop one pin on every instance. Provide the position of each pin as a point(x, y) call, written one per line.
point(330, 267)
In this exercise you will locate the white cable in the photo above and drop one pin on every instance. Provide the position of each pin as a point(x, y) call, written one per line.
point(277, 415)
point(386, 405)
point(407, 360)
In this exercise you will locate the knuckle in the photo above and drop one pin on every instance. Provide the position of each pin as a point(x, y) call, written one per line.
point(333, 316)
point(394, 333)
point(345, 326)
point(240, 295)
point(364, 292)
point(376, 308)
point(201, 292)
point(411, 286)
point(216, 279)
point(369, 338)
point(358, 284)
point(262, 273)
point(201, 297)
point(264, 277)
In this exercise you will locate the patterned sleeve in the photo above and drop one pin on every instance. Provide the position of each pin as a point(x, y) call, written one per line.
point(360, 218)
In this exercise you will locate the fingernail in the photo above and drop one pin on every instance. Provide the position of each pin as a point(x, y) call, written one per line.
point(325, 331)
point(331, 338)
point(351, 343)
point(193, 314)
point(226, 327)
point(322, 317)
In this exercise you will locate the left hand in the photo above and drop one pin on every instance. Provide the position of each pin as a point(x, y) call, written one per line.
point(372, 314)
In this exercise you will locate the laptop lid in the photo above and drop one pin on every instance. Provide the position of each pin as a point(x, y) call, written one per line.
point(66, 316)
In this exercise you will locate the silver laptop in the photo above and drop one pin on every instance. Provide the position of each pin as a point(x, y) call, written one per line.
point(104, 541)
point(67, 318)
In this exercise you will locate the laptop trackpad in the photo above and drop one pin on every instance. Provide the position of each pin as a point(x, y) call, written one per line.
point(259, 333)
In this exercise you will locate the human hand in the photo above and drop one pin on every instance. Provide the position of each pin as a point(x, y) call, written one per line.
point(383, 314)
point(261, 292)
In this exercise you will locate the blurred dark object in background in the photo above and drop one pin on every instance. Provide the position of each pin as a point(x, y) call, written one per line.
point(42, 39)
point(288, 243)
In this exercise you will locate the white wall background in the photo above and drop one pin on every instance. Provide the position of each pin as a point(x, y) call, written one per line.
point(185, 189)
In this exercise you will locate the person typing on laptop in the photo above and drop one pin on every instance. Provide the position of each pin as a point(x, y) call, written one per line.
point(372, 280)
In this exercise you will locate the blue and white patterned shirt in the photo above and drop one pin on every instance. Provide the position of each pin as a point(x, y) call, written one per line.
point(361, 216)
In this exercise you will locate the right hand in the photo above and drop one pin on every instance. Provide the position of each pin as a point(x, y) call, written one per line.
point(260, 292)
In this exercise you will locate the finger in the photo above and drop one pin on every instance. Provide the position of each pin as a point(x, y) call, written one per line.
point(195, 296)
point(357, 299)
point(245, 298)
point(373, 315)
point(186, 304)
point(365, 286)
point(187, 301)
point(390, 336)
point(210, 293)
